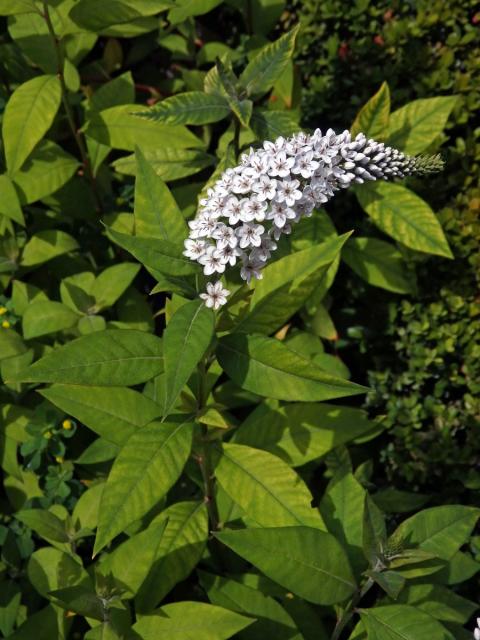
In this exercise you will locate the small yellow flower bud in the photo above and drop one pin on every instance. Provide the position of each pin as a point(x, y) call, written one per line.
point(67, 424)
point(47, 435)
point(6, 324)
point(3, 311)
point(59, 459)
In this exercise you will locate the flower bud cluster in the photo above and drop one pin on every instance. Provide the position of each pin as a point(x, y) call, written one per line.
point(252, 205)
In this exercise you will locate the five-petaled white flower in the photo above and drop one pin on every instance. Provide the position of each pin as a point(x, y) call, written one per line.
point(216, 295)
point(278, 185)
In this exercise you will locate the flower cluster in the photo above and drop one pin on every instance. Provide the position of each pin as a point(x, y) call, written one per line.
point(253, 204)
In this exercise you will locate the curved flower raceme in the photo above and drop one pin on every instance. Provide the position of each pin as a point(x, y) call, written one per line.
point(253, 204)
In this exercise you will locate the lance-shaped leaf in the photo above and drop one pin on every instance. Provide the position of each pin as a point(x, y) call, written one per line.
point(191, 107)
point(110, 285)
point(309, 562)
point(182, 620)
point(112, 412)
point(379, 263)
point(111, 358)
point(267, 367)
point(154, 253)
point(46, 524)
point(415, 126)
point(438, 530)
point(372, 119)
point(266, 488)
point(185, 341)
point(272, 621)
point(170, 163)
point(405, 216)
point(439, 602)
point(10, 203)
point(133, 559)
point(268, 125)
point(156, 211)
point(46, 245)
point(181, 547)
point(287, 284)
point(267, 66)
point(46, 316)
point(149, 463)
point(28, 116)
point(184, 9)
point(300, 433)
point(402, 622)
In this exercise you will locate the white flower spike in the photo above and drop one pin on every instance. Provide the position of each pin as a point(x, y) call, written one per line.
point(280, 184)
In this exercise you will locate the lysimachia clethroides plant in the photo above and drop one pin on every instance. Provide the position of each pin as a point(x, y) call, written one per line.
point(252, 205)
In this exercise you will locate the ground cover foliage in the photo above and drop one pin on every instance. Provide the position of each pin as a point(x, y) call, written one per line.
point(254, 472)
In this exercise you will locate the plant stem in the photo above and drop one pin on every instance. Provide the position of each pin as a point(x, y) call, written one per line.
point(349, 609)
point(236, 137)
point(205, 458)
point(87, 167)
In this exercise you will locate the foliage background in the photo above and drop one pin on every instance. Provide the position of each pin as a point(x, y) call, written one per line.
point(412, 337)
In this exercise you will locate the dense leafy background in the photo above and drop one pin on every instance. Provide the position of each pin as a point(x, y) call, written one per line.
point(171, 471)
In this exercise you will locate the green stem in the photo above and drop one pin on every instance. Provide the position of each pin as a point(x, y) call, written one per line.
point(205, 457)
point(236, 137)
point(350, 609)
point(68, 110)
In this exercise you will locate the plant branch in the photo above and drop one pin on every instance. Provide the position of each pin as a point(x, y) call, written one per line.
point(68, 109)
point(350, 609)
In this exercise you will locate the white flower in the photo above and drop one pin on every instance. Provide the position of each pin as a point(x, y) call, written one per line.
point(216, 295)
point(250, 235)
point(288, 192)
point(251, 270)
point(280, 165)
point(194, 248)
point(225, 236)
point(254, 209)
point(265, 188)
point(212, 261)
point(278, 185)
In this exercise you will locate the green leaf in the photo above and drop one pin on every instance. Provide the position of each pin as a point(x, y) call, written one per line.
point(379, 263)
point(374, 532)
point(46, 524)
point(272, 621)
point(265, 487)
point(391, 582)
point(46, 245)
point(112, 283)
point(198, 620)
point(111, 358)
point(130, 563)
point(119, 128)
point(91, 16)
point(287, 284)
point(169, 163)
point(267, 66)
point(439, 602)
point(155, 253)
point(438, 530)
point(185, 341)
point(11, 344)
point(81, 600)
point(268, 125)
point(120, 90)
point(9, 202)
point(149, 463)
point(181, 547)
point(309, 562)
point(402, 622)
point(42, 625)
point(47, 169)
point(49, 568)
point(12, 7)
point(300, 433)
point(28, 115)
point(191, 107)
point(156, 211)
point(114, 413)
point(404, 216)
point(187, 8)
point(342, 509)
point(268, 368)
point(45, 316)
point(415, 126)
point(373, 117)
point(24, 294)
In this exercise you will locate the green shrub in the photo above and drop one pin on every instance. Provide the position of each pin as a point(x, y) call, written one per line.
point(170, 470)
